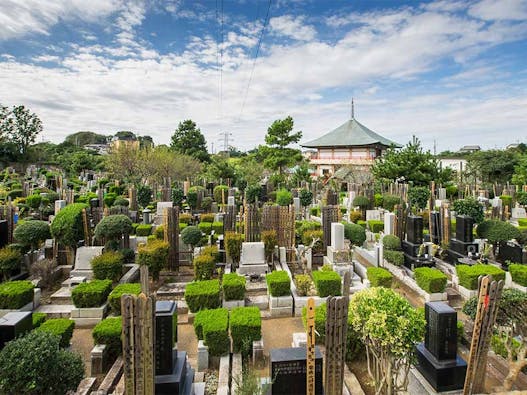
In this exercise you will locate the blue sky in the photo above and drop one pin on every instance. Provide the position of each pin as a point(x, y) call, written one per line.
point(449, 71)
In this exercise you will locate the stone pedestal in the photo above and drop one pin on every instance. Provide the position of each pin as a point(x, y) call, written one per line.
point(203, 356)
point(13, 325)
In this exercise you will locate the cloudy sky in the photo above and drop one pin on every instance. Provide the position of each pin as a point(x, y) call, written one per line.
point(453, 71)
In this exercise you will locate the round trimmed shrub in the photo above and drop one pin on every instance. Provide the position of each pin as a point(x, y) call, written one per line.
point(32, 233)
point(35, 364)
point(379, 277)
point(204, 266)
point(355, 233)
point(107, 266)
point(390, 201)
point(113, 227)
point(154, 255)
point(253, 192)
point(361, 201)
point(67, 227)
point(284, 197)
point(391, 242)
point(34, 201)
point(220, 192)
point(394, 257)
point(191, 235)
point(470, 207)
point(502, 231)
point(121, 201)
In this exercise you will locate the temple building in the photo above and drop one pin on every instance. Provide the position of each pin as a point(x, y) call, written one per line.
point(350, 145)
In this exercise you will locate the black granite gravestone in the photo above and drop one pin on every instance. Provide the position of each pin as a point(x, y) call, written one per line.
point(166, 335)
point(511, 251)
point(435, 222)
point(14, 324)
point(437, 358)
point(464, 228)
point(414, 229)
point(3, 233)
point(288, 371)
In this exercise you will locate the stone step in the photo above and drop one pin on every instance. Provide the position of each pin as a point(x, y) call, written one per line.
point(62, 296)
point(260, 301)
point(55, 310)
point(172, 290)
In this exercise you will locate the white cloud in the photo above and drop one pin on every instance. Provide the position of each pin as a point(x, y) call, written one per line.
point(491, 10)
point(292, 27)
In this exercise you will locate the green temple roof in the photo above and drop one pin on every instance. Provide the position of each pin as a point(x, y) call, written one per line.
point(351, 133)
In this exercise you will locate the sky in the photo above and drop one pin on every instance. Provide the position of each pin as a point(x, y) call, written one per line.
point(451, 72)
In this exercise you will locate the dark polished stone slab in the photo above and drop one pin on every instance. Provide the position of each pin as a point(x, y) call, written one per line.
point(288, 370)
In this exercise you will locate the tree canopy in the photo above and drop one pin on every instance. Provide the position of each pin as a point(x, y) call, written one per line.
point(188, 139)
point(493, 165)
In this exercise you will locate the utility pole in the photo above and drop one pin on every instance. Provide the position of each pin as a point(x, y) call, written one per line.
point(226, 137)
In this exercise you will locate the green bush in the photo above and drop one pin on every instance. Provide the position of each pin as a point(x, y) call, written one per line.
point(309, 236)
point(510, 300)
point(355, 216)
point(107, 266)
point(38, 319)
point(121, 201)
point(33, 201)
point(506, 200)
point(62, 327)
point(91, 294)
point(208, 217)
point(284, 197)
point(182, 226)
point(418, 196)
point(113, 227)
point(114, 298)
point(108, 332)
point(217, 227)
point(159, 232)
point(483, 228)
point(375, 225)
point(377, 200)
point(355, 233)
point(233, 286)
point(361, 201)
point(109, 199)
point(202, 295)
point(10, 259)
point(67, 226)
point(15, 193)
point(468, 275)
point(497, 343)
point(278, 283)
point(233, 245)
point(185, 218)
point(32, 233)
point(303, 284)
point(502, 231)
point(390, 201)
point(246, 327)
point(518, 273)
point(178, 196)
point(154, 255)
point(191, 235)
point(306, 197)
point(143, 230)
point(379, 277)
point(270, 240)
point(522, 222)
point(212, 327)
point(314, 211)
point(221, 193)
point(471, 207)
point(430, 279)
point(327, 283)
point(394, 257)
point(391, 243)
point(35, 364)
point(205, 227)
point(354, 346)
point(15, 294)
point(204, 265)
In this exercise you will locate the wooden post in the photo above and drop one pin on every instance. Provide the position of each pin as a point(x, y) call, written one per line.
point(171, 236)
point(87, 238)
point(310, 351)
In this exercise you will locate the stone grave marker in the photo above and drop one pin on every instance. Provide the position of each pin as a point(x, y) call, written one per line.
point(161, 206)
point(373, 215)
point(518, 213)
point(288, 369)
point(13, 325)
point(59, 205)
point(166, 335)
point(441, 193)
point(389, 223)
point(83, 257)
point(252, 258)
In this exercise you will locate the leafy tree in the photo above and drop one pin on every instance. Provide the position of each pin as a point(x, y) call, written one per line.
point(306, 197)
point(410, 163)
point(32, 233)
point(492, 165)
point(161, 164)
point(26, 128)
point(35, 364)
point(144, 195)
point(188, 140)
point(276, 153)
point(253, 192)
point(85, 137)
point(418, 196)
point(389, 328)
point(6, 123)
point(519, 176)
point(177, 196)
point(125, 135)
point(301, 174)
point(113, 227)
point(219, 168)
point(470, 207)
point(124, 163)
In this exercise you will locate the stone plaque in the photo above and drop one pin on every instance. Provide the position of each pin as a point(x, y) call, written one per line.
point(414, 229)
point(288, 370)
point(166, 335)
point(441, 330)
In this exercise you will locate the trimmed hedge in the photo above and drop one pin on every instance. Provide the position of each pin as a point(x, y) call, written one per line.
point(355, 233)
point(518, 273)
point(209, 217)
point(430, 279)
point(246, 327)
point(217, 227)
point(107, 266)
point(154, 255)
point(233, 286)
point(391, 242)
point(91, 294)
point(204, 265)
point(67, 226)
point(143, 230)
point(15, 294)
point(327, 283)
point(114, 298)
point(201, 295)
point(278, 283)
point(62, 327)
point(108, 332)
point(212, 327)
point(394, 257)
point(38, 319)
point(379, 277)
point(376, 225)
point(205, 227)
point(468, 275)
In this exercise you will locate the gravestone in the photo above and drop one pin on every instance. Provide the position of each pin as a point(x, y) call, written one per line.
point(412, 244)
point(414, 229)
point(435, 226)
point(4, 229)
point(389, 223)
point(160, 211)
point(296, 203)
point(83, 259)
point(337, 236)
point(252, 258)
point(463, 244)
point(518, 213)
point(231, 201)
point(437, 358)
point(511, 251)
point(464, 227)
point(373, 215)
point(13, 325)
point(59, 205)
point(288, 370)
point(441, 193)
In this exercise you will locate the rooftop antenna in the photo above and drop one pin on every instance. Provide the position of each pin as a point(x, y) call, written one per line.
point(352, 109)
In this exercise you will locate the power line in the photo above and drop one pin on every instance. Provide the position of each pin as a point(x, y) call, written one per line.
point(266, 22)
point(221, 64)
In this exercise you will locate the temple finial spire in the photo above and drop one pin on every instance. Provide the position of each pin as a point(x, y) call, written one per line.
point(352, 109)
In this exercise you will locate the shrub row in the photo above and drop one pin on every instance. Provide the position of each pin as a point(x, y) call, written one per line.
point(114, 298)
point(430, 279)
point(16, 294)
point(394, 257)
point(108, 332)
point(518, 273)
point(327, 283)
point(376, 226)
point(62, 327)
point(278, 283)
point(91, 294)
point(233, 286)
point(201, 295)
point(379, 277)
point(212, 327)
point(468, 275)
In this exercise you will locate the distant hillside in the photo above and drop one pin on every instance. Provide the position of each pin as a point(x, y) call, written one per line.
point(85, 137)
